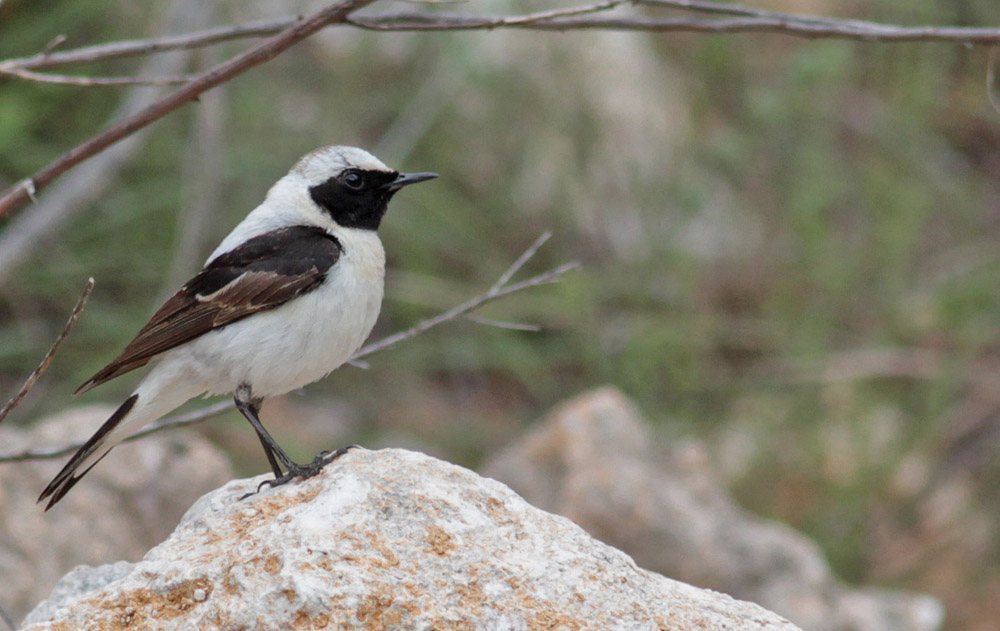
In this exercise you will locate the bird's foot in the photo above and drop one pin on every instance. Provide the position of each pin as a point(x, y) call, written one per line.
point(303, 471)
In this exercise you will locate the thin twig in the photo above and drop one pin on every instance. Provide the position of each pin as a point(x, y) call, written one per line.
point(207, 37)
point(169, 422)
point(503, 324)
point(521, 260)
point(808, 27)
point(336, 12)
point(728, 8)
point(181, 420)
point(58, 79)
point(54, 43)
point(494, 293)
point(793, 20)
point(134, 48)
point(542, 16)
point(42, 367)
point(459, 311)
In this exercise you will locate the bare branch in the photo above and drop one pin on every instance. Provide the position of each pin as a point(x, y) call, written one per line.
point(178, 420)
point(42, 367)
point(264, 52)
point(502, 324)
point(55, 43)
point(562, 13)
point(748, 21)
point(729, 8)
point(460, 311)
point(464, 308)
point(837, 27)
point(88, 81)
point(521, 260)
point(134, 48)
point(754, 20)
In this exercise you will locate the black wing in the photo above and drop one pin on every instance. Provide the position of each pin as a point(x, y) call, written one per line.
point(263, 273)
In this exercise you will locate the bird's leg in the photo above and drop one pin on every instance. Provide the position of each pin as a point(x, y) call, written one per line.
point(268, 450)
point(249, 407)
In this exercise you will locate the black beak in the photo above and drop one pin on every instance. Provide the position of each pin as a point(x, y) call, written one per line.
point(405, 179)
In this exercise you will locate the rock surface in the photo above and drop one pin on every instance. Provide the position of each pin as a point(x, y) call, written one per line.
point(594, 460)
point(384, 540)
point(122, 508)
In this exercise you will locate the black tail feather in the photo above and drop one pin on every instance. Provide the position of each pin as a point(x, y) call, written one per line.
point(67, 478)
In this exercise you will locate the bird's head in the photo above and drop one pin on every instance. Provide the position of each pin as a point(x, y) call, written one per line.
point(351, 185)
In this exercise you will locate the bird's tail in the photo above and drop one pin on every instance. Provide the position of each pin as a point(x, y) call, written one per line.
point(88, 455)
point(167, 386)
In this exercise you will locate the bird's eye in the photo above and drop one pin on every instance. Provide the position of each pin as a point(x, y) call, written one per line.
point(354, 180)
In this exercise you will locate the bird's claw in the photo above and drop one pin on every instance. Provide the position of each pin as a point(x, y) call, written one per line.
point(322, 459)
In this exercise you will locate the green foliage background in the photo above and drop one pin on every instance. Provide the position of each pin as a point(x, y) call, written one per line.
point(790, 251)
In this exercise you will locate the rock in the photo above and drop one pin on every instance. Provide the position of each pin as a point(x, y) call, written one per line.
point(386, 539)
point(127, 504)
point(81, 580)
point(593, 460)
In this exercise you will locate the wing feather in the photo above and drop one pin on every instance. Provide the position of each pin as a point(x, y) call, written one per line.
point(263, 273)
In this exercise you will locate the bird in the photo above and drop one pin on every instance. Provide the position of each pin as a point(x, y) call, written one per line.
point(287, 297)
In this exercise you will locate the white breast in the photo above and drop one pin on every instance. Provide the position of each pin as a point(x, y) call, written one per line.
point(303, 340)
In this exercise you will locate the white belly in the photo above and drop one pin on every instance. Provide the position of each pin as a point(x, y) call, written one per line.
point(299, 342)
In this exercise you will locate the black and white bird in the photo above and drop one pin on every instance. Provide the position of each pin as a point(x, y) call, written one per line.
point(286, 298)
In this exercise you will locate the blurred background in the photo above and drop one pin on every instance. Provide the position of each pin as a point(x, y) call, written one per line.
point(790, 249)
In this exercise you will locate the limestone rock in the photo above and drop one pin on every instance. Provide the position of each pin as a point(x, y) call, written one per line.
point(387, 540)
point(593, 460)
point(122, 508)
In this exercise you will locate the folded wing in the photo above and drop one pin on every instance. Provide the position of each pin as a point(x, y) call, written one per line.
point(263, 273)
